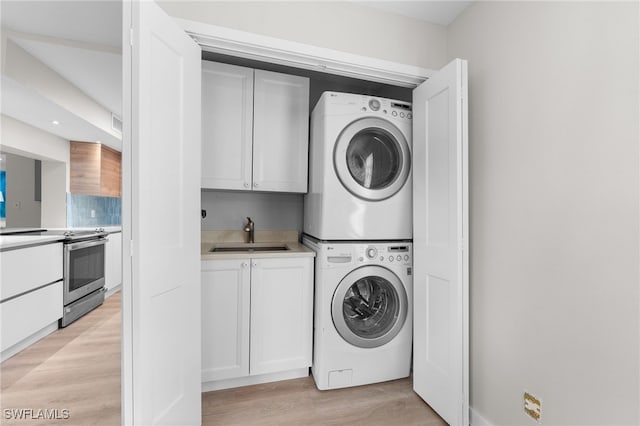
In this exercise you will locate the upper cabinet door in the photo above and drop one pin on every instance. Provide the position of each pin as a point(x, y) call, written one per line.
point(227, 126)
point(161, 141)
point(281, 132)
point(440, 243)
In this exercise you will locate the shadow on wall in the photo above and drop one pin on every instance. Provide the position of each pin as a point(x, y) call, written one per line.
point(93, 210)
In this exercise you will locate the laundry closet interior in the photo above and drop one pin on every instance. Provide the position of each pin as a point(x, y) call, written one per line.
point(227, 207)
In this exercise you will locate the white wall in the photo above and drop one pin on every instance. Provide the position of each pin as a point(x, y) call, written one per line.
point(21, 207)
point(554, 179)
point(342, 26)
point(21, 139)
point(269, 211)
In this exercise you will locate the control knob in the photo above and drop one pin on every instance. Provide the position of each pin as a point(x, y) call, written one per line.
point(372, 252)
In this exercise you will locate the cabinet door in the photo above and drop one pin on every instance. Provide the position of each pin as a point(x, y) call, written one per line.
point(113, 261)
point(280, 132)
point(281, 314)
point(227, 125)
point(225, 319)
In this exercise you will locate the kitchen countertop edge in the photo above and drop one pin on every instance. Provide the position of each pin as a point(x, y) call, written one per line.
point(15, 242)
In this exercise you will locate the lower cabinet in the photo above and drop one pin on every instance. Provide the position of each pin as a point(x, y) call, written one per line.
point(257, 316)
point(113, 262)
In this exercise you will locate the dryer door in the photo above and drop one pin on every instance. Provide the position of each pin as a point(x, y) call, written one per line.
point(369, 306)
point(372, 158)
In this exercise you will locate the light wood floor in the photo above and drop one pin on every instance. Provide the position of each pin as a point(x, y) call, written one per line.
point(78, 369)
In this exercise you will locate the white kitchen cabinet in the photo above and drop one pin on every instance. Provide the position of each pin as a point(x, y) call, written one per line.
point(225, 319)
point(113, 262)
point(227, 126)
point(281, 314)
point(255, 129)
point(280, 132)
point(30, 294)
point(257, 316)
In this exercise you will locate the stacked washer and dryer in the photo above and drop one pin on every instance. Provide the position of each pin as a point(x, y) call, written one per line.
point(358, 220)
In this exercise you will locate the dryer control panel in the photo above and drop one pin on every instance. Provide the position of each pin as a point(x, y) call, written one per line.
point(348, 103)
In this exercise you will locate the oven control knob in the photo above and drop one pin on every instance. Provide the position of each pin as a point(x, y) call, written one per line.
point(372, 252)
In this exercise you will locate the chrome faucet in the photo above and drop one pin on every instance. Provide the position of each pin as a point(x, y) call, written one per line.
point(249, 228)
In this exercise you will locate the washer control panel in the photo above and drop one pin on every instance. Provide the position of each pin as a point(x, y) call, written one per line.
point(386, 253)
point(350, 255)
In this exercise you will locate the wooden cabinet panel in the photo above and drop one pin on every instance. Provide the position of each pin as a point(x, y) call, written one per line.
point(110, 172)
point(95, 169)
point(85, 168)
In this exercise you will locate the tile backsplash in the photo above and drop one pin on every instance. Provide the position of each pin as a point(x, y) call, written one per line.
point(93, 210)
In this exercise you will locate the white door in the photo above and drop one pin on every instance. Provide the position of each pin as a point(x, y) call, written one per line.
point(440, 241)
point(161, 319)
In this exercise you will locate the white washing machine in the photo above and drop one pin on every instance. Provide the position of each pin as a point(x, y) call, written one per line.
point(359, 169)
point(363, 312)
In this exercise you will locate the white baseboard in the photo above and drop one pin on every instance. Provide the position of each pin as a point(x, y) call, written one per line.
point(113, 290)
point(254, 380)
point(25, 343)
point(475, 419)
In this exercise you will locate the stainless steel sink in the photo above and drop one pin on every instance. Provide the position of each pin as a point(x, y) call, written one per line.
point(247, 249)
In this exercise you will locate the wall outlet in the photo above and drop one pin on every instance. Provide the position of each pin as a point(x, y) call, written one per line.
point(93, 213)
point(532, 406)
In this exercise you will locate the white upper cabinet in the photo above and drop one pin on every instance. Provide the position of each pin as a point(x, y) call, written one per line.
point(255, 128)
point(227, 126)
point(280, 132)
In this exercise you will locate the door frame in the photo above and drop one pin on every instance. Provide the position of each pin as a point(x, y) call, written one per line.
point(227, 41)
point(217, 39)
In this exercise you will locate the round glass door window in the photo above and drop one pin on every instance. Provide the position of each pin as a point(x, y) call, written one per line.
point(372, 158)
point(369, 307)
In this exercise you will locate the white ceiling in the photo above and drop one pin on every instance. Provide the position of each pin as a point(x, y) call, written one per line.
point(82, 41)
point(79, 40)
point(437, 12)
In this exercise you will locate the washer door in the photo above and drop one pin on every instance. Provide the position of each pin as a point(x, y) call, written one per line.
point(372, 158)
point(369, 306)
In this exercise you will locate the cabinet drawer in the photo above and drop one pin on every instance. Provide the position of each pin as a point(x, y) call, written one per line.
point(29, 268)
point(25, 315)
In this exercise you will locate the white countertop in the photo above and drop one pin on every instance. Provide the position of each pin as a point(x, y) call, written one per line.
point(13, 241)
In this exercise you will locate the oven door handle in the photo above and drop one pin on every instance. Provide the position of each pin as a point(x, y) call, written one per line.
point(85, 244)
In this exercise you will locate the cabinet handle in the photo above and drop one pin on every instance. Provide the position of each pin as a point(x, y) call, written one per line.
point(246, 184)
point(254, 264)
point(245, 264)
point(255, 184)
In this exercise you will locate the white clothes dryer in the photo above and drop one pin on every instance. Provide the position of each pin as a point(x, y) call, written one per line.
point(359, 169)
point(363, 312)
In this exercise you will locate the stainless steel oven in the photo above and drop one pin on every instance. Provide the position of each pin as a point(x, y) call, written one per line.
point(84, 273)
point(83, 268)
